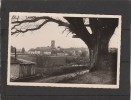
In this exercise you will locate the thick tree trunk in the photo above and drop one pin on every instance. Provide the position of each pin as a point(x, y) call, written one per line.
point(102, 31)
point(98, 54)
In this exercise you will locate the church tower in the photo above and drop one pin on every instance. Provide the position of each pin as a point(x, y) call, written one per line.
point(53, 44)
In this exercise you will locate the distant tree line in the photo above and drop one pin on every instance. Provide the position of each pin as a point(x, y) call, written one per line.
point(13, 50)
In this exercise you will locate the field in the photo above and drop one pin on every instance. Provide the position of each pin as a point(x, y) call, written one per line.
point(56, 65)
point(56, 60)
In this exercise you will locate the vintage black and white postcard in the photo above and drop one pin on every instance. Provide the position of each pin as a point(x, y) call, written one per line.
point(64, 50)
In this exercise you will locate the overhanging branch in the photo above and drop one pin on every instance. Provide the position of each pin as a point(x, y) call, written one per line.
point(36, 19)
point(30, 29)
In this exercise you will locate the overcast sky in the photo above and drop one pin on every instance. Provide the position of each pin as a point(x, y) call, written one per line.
point(51, 31)
point(43, 37)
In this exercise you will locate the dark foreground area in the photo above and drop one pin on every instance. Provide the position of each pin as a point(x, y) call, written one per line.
point(97, 77)
point(77, 74)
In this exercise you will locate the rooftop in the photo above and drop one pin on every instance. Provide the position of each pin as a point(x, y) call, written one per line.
point(21, 61)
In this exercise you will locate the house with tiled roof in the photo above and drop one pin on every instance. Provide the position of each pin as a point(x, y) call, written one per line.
point(20, 68)
point(41, 50)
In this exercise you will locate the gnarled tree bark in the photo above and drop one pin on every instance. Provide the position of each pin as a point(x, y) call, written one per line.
point(103, 29)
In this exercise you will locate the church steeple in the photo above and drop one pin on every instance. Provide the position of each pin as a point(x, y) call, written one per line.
point(53, 44)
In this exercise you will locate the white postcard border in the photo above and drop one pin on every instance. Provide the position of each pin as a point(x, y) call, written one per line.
point(62, 84)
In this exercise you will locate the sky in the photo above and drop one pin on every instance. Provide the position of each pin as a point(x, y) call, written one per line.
point(43, 37)
point(51, 31)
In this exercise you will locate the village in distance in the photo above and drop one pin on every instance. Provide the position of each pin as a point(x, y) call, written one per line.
point(47, 61)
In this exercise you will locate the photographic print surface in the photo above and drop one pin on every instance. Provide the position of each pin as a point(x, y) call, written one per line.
point(64, 50)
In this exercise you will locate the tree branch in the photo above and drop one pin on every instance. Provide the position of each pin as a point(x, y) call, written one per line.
point(65, 29)
point(77, 26)
point(30, 29)
point(36, 19)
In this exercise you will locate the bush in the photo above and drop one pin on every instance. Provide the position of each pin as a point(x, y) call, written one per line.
point(77, 60)
point(42, 60)
point(54, 71)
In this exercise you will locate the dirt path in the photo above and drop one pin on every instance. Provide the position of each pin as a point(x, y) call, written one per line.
point(57, 79)
point(98, 77)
